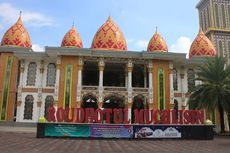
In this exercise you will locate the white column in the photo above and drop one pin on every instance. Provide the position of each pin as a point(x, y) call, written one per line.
point(19, 96)
point(171, 83)
point(56, 90)
point(101, 66)
point(39, 102)
point(129, 87)
point(150, 71)
point(79, 80)
point(182, 89)
point(130, 114)
point(129, 68)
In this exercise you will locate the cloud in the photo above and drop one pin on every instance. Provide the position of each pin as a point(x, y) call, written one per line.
point(9, 14)
point(142, 44)
point(182, 45)
point(37, 48)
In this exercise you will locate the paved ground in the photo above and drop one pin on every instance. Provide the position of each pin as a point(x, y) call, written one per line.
point(25, 142)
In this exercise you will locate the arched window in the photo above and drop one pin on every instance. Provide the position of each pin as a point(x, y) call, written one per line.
point(191, 79)
point(51, 75)
point(31, 74)
point(176, 107)
point(223, 16)
point(217, 16)
point(48, 103)
point(220, 46)
point(175, 85)
point(28, 109)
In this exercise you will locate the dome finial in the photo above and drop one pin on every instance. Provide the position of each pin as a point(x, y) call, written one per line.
point(20, 13)
point(156, 29)
point(73, 25)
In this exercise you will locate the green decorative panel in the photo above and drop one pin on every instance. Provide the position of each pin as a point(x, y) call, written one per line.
point(68, 85)
point(161, 89)
point(6, 87)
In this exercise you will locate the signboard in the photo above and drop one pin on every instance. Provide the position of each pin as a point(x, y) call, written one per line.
point(157, 131)
point(111, 131)
point(67, 130)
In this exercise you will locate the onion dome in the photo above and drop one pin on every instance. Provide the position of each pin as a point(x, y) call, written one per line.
point(157, 44)
point(17, 36)
point(202, 46)
point(72, 39)
point(109, 37)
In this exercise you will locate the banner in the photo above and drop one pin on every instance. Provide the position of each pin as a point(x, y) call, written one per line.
point(67, 130)
point(111, 131)
point(157, 131)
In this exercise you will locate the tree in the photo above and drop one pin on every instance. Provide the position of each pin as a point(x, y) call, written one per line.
point(214, 91)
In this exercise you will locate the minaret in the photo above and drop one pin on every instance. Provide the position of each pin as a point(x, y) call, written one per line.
point(214, 19)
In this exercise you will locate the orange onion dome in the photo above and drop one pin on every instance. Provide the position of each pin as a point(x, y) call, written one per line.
point(72, 39)
point(202, 46)
point(109, 37)
point(17, 36)
point(157, 44)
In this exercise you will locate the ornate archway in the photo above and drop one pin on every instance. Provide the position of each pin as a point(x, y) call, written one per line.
point(89, 101)
point(113, 101)
point(138, 103)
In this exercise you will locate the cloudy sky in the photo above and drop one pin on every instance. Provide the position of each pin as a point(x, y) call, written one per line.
point(47, 21)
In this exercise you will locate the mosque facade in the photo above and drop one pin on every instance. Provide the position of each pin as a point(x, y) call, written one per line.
point(106, 75)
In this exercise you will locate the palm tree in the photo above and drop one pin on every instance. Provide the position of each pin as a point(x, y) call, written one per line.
point(214, 91)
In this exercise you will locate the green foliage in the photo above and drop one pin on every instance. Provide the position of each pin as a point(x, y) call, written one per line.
point(214, 91)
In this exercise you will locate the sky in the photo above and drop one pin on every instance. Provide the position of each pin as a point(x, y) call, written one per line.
point(47, 21)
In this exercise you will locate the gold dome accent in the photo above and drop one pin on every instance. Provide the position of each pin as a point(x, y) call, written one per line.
point(17, 36)
point(72, 39)
point(157, 44)
point(109, 37)
point(202, 46)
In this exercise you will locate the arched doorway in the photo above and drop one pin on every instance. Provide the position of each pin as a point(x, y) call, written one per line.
point(111, 102)
point(89, 101)
point(176, 107)
point(138, 103)
point(48, 103)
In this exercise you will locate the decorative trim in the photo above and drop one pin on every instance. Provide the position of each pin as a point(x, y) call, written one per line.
point(39, 104)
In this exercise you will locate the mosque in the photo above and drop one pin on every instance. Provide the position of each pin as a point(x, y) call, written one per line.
point(106, 75)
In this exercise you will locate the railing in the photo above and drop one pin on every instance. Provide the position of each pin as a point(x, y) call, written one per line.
point(89, 88)
point(115, 89)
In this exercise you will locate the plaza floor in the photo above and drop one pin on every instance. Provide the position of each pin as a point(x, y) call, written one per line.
point(26, 142)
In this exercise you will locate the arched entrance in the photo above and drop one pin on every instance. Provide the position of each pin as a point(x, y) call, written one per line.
point(89, 101)
point(176, 107)
point(138, 103)
point(113, 101)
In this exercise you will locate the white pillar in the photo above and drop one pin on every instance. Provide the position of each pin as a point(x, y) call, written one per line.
point(171, 83)
point(130, 114)
point(129, 68)
point(182, 90)
point(101, 66)
point(20, 86)
point(56, 89)
point(79, 80)
point(129, 79)
point(40, 86)
point(150, 71)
